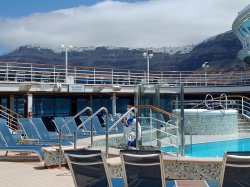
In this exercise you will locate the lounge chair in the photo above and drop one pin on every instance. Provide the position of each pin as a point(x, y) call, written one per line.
point(34, 136)
point(118, 128)
point(87, 125)
point(88, 168)
point(42, 130)
point(59, 122)
point(235, 170)
point(9, 144)
point(142, 168)
point(28, 128)
point(44, 134)
point(119, 125)
point(72, 127)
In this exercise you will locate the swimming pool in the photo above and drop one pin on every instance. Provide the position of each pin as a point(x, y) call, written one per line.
point(215, 149)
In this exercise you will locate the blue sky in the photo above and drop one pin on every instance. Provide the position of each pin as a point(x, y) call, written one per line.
point(119, 23)
point(18, 8)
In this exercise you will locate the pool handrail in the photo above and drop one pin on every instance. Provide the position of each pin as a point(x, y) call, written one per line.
point(178, 119)
point(60, 131)
point(90, 118)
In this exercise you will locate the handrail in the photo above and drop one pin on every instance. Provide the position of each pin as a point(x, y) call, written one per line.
point(60, 131)
point(9, 110)
point(159, 110)
point(225, 96)
point(212, 99)
point(90, 118)
point(120, 119)
point(32, 72)
point(151, 108)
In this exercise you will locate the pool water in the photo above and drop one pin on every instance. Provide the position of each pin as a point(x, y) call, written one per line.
point(215, 149)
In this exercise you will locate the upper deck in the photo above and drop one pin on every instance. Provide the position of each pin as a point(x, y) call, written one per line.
point(18, 77)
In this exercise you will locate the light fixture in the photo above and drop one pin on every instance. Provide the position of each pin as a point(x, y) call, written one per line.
point(148, 54)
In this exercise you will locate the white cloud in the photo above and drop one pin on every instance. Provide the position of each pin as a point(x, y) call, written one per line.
point(156, 23)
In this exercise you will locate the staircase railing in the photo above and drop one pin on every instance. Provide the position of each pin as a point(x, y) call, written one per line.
point(10, 116)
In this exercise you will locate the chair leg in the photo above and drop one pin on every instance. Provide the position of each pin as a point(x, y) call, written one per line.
point(6, 153)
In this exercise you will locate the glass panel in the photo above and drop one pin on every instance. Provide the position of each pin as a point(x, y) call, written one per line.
point(241, 33)
point(19, 105)
point(247, 24)
point(81, 104)
point(102, 102)
point(51, 107)
point(122, 103)
point(63, 107)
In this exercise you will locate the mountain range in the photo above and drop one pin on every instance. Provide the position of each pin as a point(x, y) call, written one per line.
point(220, 51)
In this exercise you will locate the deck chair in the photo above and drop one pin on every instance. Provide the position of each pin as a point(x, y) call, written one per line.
point(59, 122)
point(44, 134)
point(87, 126)
point(97, 125)
point(72, 127)
point(9, 144)
point(88, 168)
point(28, 128)
point(235, 170)
point(119, 125)
point(142, 168)
point(42, 130)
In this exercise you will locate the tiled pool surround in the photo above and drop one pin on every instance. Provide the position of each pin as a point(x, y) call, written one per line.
point(179, 168)
point(210, 122)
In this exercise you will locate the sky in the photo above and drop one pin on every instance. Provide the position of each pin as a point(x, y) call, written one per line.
point(121, 23)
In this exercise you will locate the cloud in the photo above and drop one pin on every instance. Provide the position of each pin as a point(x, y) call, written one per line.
point(156, 23)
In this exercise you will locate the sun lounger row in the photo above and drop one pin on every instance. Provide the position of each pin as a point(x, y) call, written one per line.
point(8, 143)
point(35, 129)
point(142, 168)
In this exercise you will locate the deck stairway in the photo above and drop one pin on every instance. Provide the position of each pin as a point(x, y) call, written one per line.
point(243, 124)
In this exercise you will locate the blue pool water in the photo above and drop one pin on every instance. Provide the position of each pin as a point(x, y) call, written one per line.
point(215, 149)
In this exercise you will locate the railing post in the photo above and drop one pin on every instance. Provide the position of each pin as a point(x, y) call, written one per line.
point(129, 77)
point(150, 126)
point(94, 76)
point(75, 75)
point(242, 105)
point(112, 78)
point(180, 79)
point(31, 72)
point(7, 71)
point(182, 130)
point(54, 74)
point(136, 130)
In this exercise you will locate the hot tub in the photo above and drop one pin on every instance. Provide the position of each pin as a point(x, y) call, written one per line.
point(210, 122)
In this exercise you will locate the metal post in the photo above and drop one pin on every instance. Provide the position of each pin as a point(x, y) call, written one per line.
point(182, 129)
point(31, 73)
point(136, 131)
point(138, 102)
point(66, 64)
point(114, 104)
point(205, 76)
point(54, 74)
point(75, 75)
point(148, 67)
point(242, 105)
point(158, 125)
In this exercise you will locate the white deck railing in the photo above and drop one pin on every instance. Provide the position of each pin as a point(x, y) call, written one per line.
point(27, 72)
